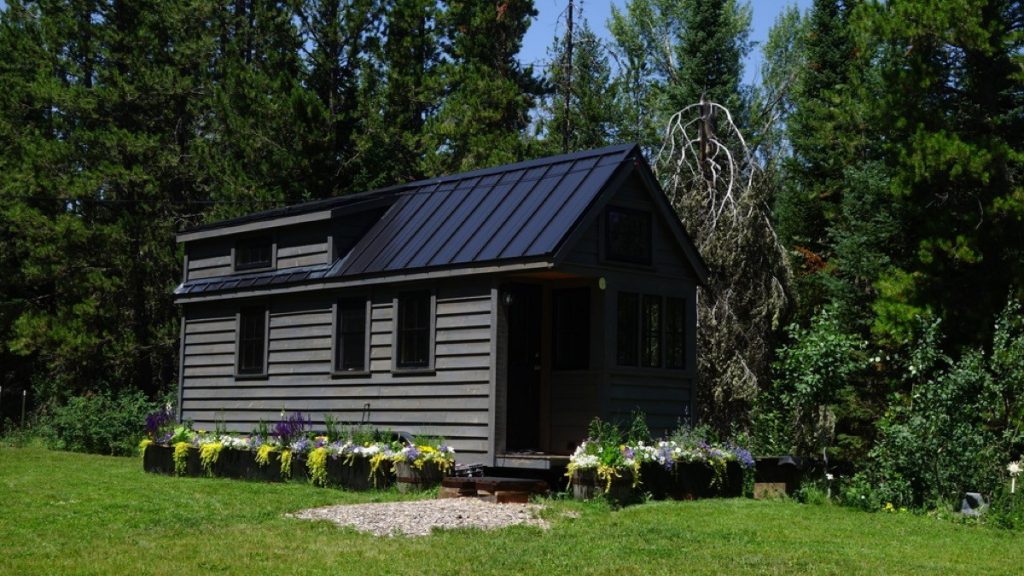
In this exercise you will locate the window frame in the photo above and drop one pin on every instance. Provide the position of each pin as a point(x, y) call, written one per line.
point(271, 239)
point(337, 333)
point(261, 374)
point(640, 333)
point(633, 333)
point(397, 367)
point(646, 260)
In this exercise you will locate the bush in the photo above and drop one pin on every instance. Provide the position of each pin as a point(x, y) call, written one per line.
point(1006, 510)
point(102, 423)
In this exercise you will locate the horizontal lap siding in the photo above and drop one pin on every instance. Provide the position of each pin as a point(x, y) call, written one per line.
point(453, 402)
point(302, 255)
point(664, 398)
point(575, 401)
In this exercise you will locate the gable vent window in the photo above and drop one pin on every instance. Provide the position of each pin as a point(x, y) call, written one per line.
point(252, 342)
point(414, 330)
point(254, 253)
point(627, 235)
point(350, 349)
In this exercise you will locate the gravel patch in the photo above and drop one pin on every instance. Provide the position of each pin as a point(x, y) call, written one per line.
point(419, 517)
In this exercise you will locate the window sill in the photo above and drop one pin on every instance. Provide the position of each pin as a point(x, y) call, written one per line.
point(254, 269)
point(263, 376)
point(350, 374)
point(426, 371)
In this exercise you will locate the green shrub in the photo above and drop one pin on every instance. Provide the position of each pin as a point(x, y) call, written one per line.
point(101, 422)
point(1006, 510)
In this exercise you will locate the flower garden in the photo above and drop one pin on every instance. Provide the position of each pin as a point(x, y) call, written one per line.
point(613, 462)
point(356, 458)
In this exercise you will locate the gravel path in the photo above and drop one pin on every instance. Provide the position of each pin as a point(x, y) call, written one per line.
point(419, 517)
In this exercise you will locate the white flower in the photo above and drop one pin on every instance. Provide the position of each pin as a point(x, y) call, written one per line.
point(1014, 468)
point(829, 477)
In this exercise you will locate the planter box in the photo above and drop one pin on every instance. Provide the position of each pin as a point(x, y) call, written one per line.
point(408, 478)
point(355, 474)
point(160, 460)
point(691, 480)
point(587, 486)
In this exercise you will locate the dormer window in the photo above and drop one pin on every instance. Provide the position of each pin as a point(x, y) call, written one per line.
point(627, 235)
point(254, 253)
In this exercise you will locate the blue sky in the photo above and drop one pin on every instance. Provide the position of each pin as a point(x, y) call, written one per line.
point(551, 21)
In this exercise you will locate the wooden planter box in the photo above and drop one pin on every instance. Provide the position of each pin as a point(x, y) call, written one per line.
point(691, 480)
point(587, 486)
point(355, 474)
point(242, 465)
point(409, 478)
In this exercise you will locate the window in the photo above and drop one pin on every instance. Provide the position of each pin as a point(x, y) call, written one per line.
point(252, 342)
point(571, 329)
point(628, 235)
point(350, 336)
point(413, 331)
point(650, 331)
point(254, 253)
point(627, 328)
point(675, 333)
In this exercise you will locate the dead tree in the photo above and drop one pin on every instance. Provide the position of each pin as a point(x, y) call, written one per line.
point(717, 190)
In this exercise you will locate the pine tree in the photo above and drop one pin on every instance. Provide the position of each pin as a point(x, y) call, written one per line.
point(484, 112)
point(580, 113)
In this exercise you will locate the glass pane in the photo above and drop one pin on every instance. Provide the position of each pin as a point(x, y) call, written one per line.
point(351, 352)
point(252, 337)
point(253, 253)
point(675, 333)
point(628, 235)
point(651, 317)
point(414, 330)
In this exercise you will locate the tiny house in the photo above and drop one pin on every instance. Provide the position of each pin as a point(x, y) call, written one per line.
point(502, 308)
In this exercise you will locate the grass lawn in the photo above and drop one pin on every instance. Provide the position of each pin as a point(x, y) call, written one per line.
point(63, 513)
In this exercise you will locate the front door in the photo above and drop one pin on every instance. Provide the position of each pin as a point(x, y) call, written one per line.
point(524, 367)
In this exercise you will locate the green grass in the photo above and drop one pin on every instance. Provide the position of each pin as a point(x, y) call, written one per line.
point(64, 513)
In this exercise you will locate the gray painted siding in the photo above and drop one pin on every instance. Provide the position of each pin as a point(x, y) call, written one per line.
point(666, 257)
point(296, 247)
point(452, 402)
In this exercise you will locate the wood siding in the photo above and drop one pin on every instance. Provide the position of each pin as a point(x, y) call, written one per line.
point(453, 401)
point(306, 246)
point(667, 258)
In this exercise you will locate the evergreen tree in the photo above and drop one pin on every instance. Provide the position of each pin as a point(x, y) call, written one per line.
point(674, 52)
point(945, 109)
point(484, 111)
point(580, 113)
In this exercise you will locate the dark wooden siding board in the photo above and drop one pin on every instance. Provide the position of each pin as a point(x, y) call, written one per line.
point(456, 398)
point(326, 389)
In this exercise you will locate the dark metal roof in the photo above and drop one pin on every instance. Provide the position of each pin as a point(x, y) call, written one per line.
point(510, 212)
point(519, 211)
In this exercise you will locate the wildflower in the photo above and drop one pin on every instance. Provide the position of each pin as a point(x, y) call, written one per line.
point(1014, 468)
point(829, 477)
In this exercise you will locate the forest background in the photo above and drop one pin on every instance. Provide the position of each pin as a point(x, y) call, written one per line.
point(884, 212)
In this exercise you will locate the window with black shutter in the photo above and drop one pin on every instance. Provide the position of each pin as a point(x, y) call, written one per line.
point(413, 330)
point(252, 341)
point(350, 335)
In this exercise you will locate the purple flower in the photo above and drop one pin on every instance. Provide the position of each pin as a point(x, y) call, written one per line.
point(291, 427)
point(157, 421)
point(743, 456)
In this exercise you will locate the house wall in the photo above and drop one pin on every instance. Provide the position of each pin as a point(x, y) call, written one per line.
point(664, 395)
point(297, 246)
point(454, 401)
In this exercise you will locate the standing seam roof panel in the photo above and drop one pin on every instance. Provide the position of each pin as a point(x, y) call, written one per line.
point(464, 200)
point(467, 219)
point(508, 226)
point(547, 211)
point(434, 226)
point(572, 210)
point(503, 217)
point(367, 249)
point(415, 221)
point(485, 230)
